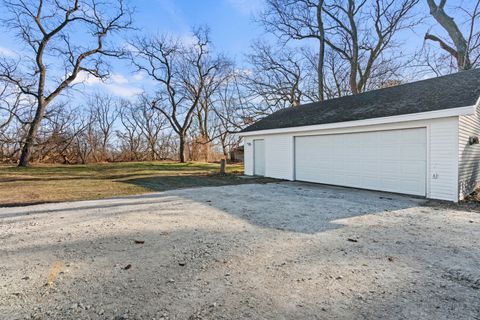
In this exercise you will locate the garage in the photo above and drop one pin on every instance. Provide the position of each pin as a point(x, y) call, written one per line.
point(259, 156)
point(420, 138)
point(393, 160)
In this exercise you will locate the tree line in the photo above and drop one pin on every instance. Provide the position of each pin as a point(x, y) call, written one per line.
point(317, 50)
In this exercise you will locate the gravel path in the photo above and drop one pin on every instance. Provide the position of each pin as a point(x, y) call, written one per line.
point(271, 251)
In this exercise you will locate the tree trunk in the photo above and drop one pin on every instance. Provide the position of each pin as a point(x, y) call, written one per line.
point(320, 72)
point(181, 153)
point(447, 22)
point(222, 166)
point(321, 52)
point(32, 133)
point(224, 146)
point(355, 48)
point(205, 147)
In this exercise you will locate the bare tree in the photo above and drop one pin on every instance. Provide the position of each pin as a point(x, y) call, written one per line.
point(11, 123)
point(150, 124)
point(362, 33)
point(206, 124)
point(466, 45)
point(299, 20)
point(89, 143)
point(104, 109)
point(57, 135)
point(10, 103)
point(277, 77)
point(46, 27)
point(10, 141)
point(130, 134)
point(337, 75)
point(231, 113)
point(182, 71)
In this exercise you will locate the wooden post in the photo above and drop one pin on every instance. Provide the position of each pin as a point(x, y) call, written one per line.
point(222, 166)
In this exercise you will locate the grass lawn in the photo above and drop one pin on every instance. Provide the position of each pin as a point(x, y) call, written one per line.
point(55, 183)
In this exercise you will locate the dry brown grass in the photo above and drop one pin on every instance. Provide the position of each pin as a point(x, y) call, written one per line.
point(56, 183)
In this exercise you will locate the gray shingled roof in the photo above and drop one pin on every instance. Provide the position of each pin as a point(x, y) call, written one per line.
point(456, 90)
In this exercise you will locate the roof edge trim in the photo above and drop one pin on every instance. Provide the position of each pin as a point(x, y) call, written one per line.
point(444, 113)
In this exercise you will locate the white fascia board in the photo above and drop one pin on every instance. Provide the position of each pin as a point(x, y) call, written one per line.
point(445, 113)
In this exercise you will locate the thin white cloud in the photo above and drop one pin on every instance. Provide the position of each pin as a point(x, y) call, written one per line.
point(247, 6)
point(176, 16)
point(5, 52)
point(117, 84)
point(118, 79)
point(188, 39)
point(86, 78)
point(123, 91)
point(137, 77)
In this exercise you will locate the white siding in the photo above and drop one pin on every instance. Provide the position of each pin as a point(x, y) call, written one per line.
point(259, 157)
point(442, 158)
point(248, 153)
point(469, 155)
point(279, 155)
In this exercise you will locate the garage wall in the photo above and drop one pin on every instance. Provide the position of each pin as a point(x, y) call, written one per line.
point(469, 155)
point(443, 178)
point(248, 155)
point(442, 169)
point(278, 155)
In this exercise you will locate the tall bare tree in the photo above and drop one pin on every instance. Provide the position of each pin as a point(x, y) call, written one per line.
point(466, 45)
point(359, 32)
point(182, 71)
point(57, 134)
point(277, 77)
point(362, 34)
point(151, 124)
point(205, 124)
point(51, 30)
point(299, 20)
point(105, 112)
point(10, 102)
point(233, 111)
point(129, 134)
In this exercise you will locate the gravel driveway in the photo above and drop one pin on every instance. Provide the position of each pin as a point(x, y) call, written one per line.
point(257, 251)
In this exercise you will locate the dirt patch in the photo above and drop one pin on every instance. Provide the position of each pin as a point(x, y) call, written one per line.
point(256, 251)
point(165, 183)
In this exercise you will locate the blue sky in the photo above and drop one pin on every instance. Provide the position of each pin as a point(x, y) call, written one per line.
point(232, 31)
point(230, 21)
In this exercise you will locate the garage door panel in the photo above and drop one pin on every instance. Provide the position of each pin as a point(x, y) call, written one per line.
point(413, 151)
point(410, 136)
point(412, 168)
point(393, 161)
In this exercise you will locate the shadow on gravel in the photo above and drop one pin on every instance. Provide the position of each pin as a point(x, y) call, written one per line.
point(196, 263)
point(289, 206)
point(300, 207)
point(165, 183)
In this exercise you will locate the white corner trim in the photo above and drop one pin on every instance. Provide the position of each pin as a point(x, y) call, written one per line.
point(462, 111)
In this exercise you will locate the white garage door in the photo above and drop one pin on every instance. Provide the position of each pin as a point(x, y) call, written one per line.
point(393, 160)
point(259, 157)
